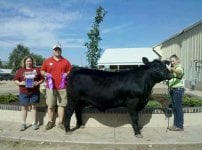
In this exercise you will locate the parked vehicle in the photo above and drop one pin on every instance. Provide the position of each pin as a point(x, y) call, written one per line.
point(1, 78)
point(6, 77)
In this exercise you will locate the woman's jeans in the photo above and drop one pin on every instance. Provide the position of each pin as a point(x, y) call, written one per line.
point(176, 99)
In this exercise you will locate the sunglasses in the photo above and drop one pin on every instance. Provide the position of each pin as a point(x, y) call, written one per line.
point(57, 49)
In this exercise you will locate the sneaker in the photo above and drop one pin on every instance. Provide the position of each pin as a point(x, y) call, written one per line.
point(173, 128)
point(61, 126)
point(50, 125)
point(23, 127)
point(35, 126)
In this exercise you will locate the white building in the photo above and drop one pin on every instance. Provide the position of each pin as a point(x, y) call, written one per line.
point(124, 58)
point(187, 45)
point(5, 71)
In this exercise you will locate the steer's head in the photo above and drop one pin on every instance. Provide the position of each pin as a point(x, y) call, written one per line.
point(158, 69)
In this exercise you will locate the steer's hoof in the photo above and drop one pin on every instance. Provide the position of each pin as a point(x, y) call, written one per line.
point(68, 133)
point(139, 135)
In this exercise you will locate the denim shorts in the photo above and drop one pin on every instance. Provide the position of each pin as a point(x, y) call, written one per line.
point(28, 99)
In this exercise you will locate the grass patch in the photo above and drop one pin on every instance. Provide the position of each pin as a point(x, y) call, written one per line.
point(154, 104)
point(192, 101)
point(164, 100)
point(8, 98)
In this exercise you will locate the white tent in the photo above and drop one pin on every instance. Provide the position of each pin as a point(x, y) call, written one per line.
point(126, 56)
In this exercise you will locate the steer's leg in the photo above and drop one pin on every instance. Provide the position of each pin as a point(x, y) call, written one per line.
point(68, 114)
point(135, 118)
point(78, 112)
point(134, 114)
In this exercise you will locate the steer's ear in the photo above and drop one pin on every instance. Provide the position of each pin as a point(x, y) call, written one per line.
point(145, 60)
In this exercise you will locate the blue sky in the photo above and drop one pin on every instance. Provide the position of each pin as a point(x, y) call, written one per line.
point(39, 24)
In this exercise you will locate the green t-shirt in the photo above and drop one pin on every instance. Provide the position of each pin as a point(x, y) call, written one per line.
point(177, 81)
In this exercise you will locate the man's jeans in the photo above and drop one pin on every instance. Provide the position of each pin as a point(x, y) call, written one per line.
point(176, 98)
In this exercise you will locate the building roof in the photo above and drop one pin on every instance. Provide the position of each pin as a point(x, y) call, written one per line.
point(126, 56)
point(157, 48)
point(183, 31)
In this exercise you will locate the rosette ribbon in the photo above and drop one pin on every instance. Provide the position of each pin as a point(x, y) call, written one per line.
point(49, 80)
point(64, 81)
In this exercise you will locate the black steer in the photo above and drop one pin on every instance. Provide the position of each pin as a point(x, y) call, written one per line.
point(105, 90)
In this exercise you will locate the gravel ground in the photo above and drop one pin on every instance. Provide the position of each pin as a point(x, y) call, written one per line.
point(7, 87)
point(31, 145)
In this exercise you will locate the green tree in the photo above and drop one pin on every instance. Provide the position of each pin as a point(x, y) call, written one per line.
point(16, 57)
point(38, 58)
point(1, 64)
point(94, 52)
point(4, 64)
point(18, 54)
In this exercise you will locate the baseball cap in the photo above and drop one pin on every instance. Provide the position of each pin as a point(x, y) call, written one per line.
point(56, 46)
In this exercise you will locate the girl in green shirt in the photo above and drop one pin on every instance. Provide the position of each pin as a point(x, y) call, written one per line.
point(176, 93)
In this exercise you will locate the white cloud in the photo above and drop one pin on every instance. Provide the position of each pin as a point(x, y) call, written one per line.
point(27, 12)
point(39, 26)
point(115, 29)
